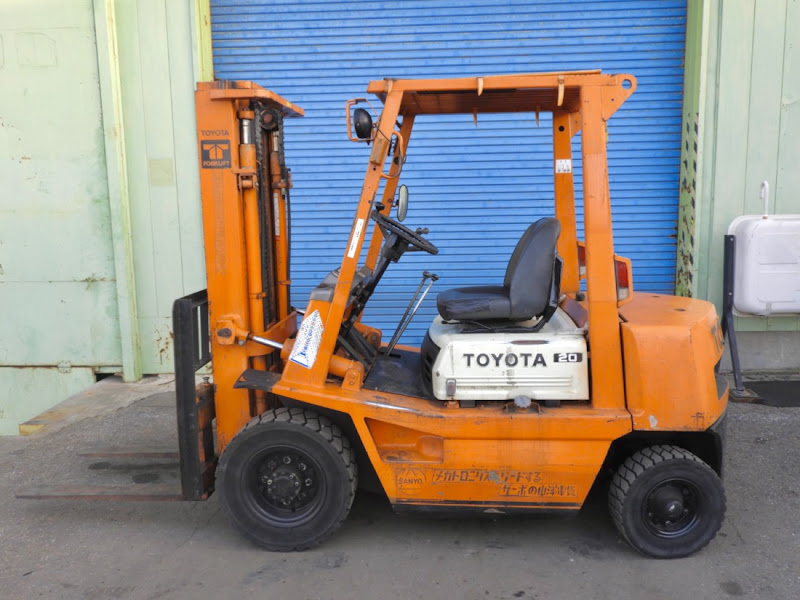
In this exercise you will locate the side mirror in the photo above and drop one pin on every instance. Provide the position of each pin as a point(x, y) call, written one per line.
point(402, 203)
point(362, 121)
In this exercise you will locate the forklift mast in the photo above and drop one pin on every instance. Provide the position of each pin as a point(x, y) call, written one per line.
point(245, 195)
point(246, 218)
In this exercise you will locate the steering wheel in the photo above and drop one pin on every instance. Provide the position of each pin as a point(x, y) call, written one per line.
point(391, 227)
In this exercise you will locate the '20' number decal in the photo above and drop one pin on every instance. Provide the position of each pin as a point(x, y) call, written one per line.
point(568, 357)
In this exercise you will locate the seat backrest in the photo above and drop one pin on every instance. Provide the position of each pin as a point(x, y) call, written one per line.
point(529, 275)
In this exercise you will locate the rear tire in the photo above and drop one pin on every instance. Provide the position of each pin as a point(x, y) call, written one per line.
point(287, 480)
point(666, 502)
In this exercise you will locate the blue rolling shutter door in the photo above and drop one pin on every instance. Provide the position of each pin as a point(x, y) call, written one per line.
point(475, 187)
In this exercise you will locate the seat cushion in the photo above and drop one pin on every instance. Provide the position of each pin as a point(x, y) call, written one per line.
point(482, 303)
point(527, 288)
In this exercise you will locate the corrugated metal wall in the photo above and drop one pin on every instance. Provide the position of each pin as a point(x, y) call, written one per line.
point(477, 188)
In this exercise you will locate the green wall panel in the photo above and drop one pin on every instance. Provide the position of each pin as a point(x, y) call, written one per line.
point(157, 79)
point(100, 222)
point(57, 279)
point(750, 125)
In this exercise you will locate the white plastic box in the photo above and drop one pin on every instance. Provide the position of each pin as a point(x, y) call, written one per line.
point(767, 265)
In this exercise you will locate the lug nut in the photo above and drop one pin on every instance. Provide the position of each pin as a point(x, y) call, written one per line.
point(309, 482)
point(287, 460)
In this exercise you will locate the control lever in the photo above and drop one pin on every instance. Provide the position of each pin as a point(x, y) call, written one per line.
point(406, 319)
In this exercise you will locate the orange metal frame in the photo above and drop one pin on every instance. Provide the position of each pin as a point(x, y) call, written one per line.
point(426, 452)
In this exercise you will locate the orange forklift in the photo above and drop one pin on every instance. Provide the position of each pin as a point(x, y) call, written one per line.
point(523, 394)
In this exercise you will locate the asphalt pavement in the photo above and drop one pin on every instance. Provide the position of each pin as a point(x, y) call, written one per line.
point(171, 550)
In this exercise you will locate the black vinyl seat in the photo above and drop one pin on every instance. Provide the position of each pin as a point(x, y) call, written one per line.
point(530, 288)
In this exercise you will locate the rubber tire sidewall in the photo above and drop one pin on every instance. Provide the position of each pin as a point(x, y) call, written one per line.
point(231, 477)
point(711, 514)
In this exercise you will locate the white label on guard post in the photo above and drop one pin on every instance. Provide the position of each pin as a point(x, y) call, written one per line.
point(351, 252)
point(563, 165)
point(309, 336)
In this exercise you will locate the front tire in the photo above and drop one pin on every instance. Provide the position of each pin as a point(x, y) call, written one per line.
point(666, 502)
point(287, 480)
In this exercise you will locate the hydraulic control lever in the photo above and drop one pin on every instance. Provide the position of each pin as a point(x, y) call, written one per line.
point(409, 314)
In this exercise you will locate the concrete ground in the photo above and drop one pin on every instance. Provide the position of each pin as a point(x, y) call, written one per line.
point(98, 550)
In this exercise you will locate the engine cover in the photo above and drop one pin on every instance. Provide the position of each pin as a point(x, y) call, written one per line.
point(551, 364)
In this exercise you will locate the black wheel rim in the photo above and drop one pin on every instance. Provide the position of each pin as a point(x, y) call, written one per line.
point(672, 508)
point(284, 486)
